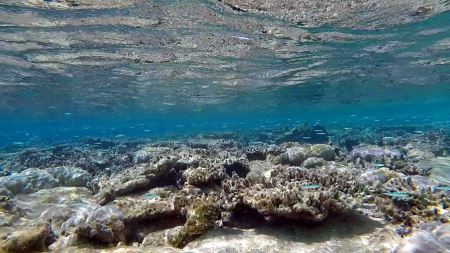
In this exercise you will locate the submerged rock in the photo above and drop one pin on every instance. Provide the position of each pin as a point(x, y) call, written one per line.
point(313, 162)
point(204, 176)
point(30, 239)
point(71, 176)
point(200, 218)
point(137, 180)
point(27, 181)
point(323, 151)
point(421, 242)
point(378, 177)
point(258, 171)
point(297, 155)
point(104, 224)
point(370, 152)
point(9, 212)
point(141, 156)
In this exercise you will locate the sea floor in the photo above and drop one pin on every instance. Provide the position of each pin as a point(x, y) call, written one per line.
point(300, 189)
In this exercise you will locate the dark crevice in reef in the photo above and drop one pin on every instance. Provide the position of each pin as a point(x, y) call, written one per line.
point(237, 167)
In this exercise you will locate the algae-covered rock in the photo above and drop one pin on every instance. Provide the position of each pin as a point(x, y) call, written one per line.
point(200, 218)
point(30, 239)
point(259, 170)
point(313, 162)
point(296, 155)
point(204, 176)
point(379, 176)
point(9, 212)
point(321, 151)
point(136, 210)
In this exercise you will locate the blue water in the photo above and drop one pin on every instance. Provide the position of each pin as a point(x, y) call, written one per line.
point(57, 84)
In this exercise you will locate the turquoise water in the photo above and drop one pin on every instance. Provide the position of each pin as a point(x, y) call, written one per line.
point(341, 109)
point(68, 73)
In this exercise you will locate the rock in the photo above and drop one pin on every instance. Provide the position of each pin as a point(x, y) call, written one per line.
point(9, 212)
point(27, 181)
point(71, 176)
point(104, 224)
point(56, 216)
point(296, 155)
point(141, 156)
point(421, 242)
point(321, 151)
point(200, 218)
point(313, 162)
point(378, 177)
point(258, 171)
point(136, 211)
point(204, 176)
point(371, 152)
point(157, 238)
point(33, 238)
point(130, 181)
point(53, 200)
point(442, 233)
point(422, 182)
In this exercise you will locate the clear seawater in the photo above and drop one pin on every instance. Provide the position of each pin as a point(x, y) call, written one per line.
point(60, 81)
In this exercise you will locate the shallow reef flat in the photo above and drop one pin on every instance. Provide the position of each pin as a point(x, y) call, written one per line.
point(300, 189)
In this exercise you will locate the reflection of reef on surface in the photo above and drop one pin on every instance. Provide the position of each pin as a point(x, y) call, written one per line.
point(173, 194)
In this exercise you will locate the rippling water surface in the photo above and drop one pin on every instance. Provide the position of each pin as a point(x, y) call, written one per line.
point(139, 68)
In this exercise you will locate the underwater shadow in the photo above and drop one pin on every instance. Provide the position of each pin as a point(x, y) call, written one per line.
point(345, 225)
point(342, 226)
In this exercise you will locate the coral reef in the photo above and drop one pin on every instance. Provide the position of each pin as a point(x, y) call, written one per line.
point(284, 194)
point(169, 193)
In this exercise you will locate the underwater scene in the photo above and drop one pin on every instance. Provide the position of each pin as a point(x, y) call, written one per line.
point(225, 126)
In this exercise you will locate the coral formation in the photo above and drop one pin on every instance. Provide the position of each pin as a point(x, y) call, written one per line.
point(170, 193)
point(282, 195)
